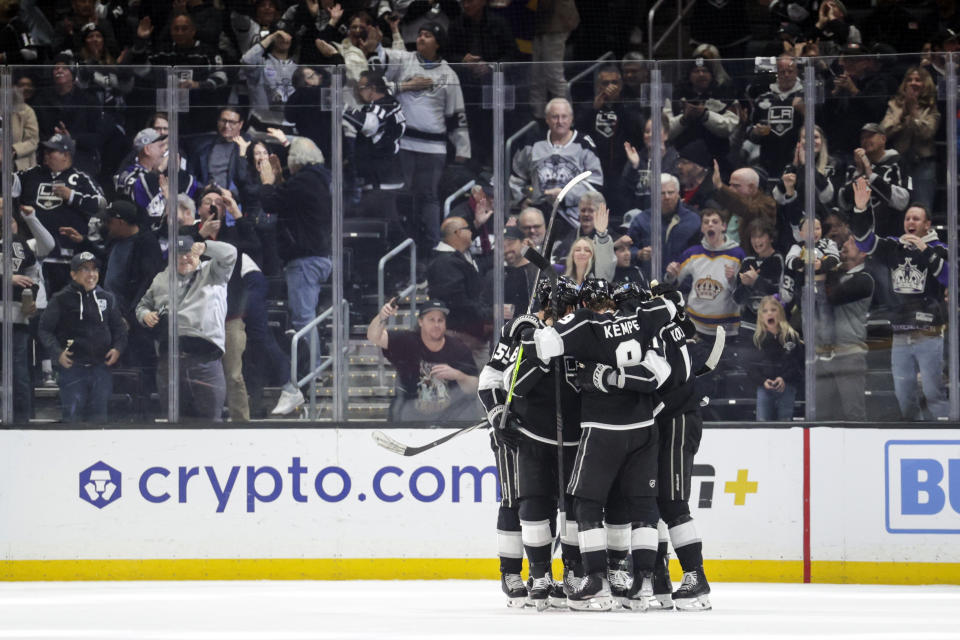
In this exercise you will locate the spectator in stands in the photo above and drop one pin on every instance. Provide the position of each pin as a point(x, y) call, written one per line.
point(206, 15)
point(840, 332)
point(592, 256)
point(945, 41)
point(245, 30)
point(453, 276)
point(201, 312)
point(918, 264)
point(825, 176)
point(834, 26)
point(608, 124)
point(24, 132)
point(554, 23)
point(744, 200)
point(202, 74)
point(826, 255)
point(680, 227)
point(432, 102)
point(534, 226)
point(71, 111)
point(63, 196)
point(710, 303)
point(776, 368)
point(858, 95)
point(83, 324)
point(910, 126)
point(17, 44)
point(778, 117)
point(888, 186)
point(69, 29)
point(436, 374)
point(625, 270)
point(28, 296)
point(761, 276)
point(373, 152)
point(633, 70)
point(478, 210)
point(360, 49)
point(634, 187)
point(217, 158)
point(543, 168)
point(694, 166)
point(478, 38)
point(110, 85)
point(266, 222)
point(311, 20)
point(711, 55)
point(519, 274)
point(701, 110)
point(215, 209)
point(303, 209)
point(270, 84)
point(303, 107)
point(594, 222)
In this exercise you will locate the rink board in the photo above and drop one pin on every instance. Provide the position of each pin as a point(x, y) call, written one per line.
point(329, 504)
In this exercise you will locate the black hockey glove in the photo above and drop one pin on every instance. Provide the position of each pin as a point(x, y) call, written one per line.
point(669, 292)
point(510, 435)
point(593, 376)
point(521, 323)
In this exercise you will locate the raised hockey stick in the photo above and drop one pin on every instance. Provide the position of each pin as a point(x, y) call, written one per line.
point(711, 363)
point(390, 444)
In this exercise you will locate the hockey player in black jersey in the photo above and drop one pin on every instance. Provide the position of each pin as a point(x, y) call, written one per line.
point(679, 426)
point(618, 446)
point(533, 418)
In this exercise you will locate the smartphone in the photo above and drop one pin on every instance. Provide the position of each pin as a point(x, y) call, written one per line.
point(214, 213)
point(394, 302)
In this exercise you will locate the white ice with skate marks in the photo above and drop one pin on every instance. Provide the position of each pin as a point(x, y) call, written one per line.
point(455, 609)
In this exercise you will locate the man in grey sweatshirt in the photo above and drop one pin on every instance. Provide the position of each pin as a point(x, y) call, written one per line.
point(201, 315)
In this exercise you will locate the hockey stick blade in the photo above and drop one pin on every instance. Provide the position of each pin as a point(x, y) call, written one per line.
point(714, 358)
point(538, 260)
point(390, 444)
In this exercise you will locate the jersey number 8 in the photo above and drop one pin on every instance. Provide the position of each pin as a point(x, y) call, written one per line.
point(629, 353)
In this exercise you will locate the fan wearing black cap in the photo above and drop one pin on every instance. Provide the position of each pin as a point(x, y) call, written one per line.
point(889, 186)
point(429, 93)
point(436, 374)
point(83, 324)
point(63, 196)
point(69, 28)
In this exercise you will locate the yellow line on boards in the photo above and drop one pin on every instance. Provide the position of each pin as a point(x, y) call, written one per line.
point(450, 569)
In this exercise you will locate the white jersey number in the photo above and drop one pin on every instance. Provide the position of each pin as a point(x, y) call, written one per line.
point(629, 353)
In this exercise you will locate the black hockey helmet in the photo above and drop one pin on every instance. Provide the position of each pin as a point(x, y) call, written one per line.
point(596, 292)
point(543, 292)
point(568, 293)
point(629, 291)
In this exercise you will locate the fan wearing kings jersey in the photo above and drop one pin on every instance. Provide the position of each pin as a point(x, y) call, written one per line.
point(618, 445)
point(527, 450)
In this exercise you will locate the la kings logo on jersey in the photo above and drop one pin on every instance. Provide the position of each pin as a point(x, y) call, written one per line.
point(908, 278)
point(780, 119)
point(46, 198)
point(606, 123)
point(556, 171)
point(708, 288)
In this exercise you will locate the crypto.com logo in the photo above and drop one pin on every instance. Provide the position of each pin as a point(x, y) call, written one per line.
point(100, 484)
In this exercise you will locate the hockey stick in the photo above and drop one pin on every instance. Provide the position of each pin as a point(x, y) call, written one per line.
point(711, 363)
point(390, 444)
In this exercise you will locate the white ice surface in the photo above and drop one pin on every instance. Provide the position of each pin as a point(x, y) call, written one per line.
point(455, 610)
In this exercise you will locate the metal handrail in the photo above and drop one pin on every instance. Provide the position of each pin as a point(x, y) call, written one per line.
point(409, 290)
point(315, 370)
point(448, 203)
point(589, 70)
point(681, 12)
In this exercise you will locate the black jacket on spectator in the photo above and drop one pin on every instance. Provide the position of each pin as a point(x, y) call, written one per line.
point(87, 200)
point(14, 38)
point(775, 108)
point(198, 150)
point(129, 266)
point(302, 205)
point(634, 184)
point(609, 127)
point(303, 110)
point(82, 116)
point(91, 319)
point(768, 283)
point(491, 39)
point(717, 100)
point(774, 360)
point(456, 282)
point(843, 115)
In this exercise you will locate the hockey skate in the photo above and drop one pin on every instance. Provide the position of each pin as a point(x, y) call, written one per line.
point(538, 593)
point(640, 593)
point(571, 578)
point(662, 587)
point(618, 575)
point(694, 592)
point(593, 594)
point(515, 590)
point(558, 595)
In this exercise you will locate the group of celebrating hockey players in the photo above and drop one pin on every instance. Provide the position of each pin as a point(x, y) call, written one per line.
point(603, 375)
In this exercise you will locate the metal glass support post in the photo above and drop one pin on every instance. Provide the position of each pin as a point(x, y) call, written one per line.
point(809, 203)
point(339, 335)
point(656, 169)
point(6, 89)
point(952, 330)
point(499, 197)
point(173, 174)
